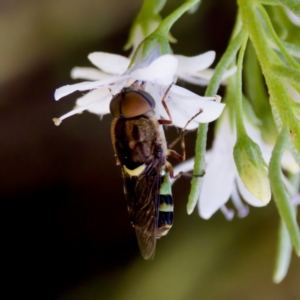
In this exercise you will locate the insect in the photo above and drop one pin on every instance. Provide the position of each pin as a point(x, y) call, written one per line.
point(140, 148)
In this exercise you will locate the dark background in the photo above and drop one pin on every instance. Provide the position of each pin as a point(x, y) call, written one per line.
point(65, 229)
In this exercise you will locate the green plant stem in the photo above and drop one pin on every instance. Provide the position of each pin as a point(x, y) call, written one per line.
point(159, 38)
point(211, 90)
point(241, 131)
point(169, 21)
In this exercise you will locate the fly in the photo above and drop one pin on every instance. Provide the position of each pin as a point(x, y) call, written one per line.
point(141, 151)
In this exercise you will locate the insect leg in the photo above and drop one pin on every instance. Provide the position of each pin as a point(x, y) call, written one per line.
point(163, 102)
point(182, 133)
point(181, 138)
point(170, 146)
point(183, 130)
point(171, 172)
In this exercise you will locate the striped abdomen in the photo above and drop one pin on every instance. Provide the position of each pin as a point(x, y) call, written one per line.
point(166, 208)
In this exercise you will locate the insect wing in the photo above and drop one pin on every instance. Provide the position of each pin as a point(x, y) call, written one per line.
point(143, 202)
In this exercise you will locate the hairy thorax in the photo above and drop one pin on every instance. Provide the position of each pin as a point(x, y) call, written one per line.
point(138, 141)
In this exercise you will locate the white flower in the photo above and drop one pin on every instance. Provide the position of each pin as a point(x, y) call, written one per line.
point(195, 69)
point(221, 180)
point(158, 75)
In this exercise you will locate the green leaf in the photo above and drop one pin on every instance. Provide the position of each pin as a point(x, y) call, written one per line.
point(283, 254)
point(291, 75)
point(281, 198)
point(279, 97)
point(269, 2)
point(255, 89)
point(293, 50)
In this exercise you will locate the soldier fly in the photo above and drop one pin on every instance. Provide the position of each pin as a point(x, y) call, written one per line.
point(140, 148)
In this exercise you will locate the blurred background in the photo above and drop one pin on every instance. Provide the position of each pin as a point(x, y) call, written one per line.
point(65, 228)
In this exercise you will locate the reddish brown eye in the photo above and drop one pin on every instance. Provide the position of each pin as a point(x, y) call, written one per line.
point(130, 104)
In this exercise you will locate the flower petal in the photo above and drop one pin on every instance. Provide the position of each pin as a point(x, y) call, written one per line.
point(202, 78)
point(184, 105)
point(110, 63)
point(288, 162)
point(161, 70)
point(220, 172)
point(88, 74)
point(101, 99)
point(217, 184)
point(88, 85)
point(93, 96)
point(195, 63)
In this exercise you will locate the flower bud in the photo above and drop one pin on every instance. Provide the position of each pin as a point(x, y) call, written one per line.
point(252, 168)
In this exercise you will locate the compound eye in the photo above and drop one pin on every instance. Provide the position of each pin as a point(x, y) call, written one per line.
point(130, 104)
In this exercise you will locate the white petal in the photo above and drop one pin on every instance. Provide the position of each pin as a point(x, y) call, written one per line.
point(247, 196)
point(220, 172)
point(93, 96)
point(88, 74)
point(184, 105)
point(191, 78)
point(228, 213)
point(195, 63)
point(161, 70)
point(229, 73)
point(243, 210)
point(101, 107)
point(217, 184)
point(109, 63)
point(88, 85)
point(202, 78)
point(80, 109)
point(100, 98)
point(288, 163)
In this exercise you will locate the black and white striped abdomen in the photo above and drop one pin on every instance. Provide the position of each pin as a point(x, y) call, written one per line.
point(165, 214)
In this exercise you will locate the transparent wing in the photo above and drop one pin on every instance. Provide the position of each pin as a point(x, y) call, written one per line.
point(142, 194)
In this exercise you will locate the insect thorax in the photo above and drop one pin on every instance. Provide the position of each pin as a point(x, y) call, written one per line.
point(138, 141)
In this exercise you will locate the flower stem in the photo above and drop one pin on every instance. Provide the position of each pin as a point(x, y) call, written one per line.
point(241, 131)
point(284, 206)
point(169, 21)
point(211, 90)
